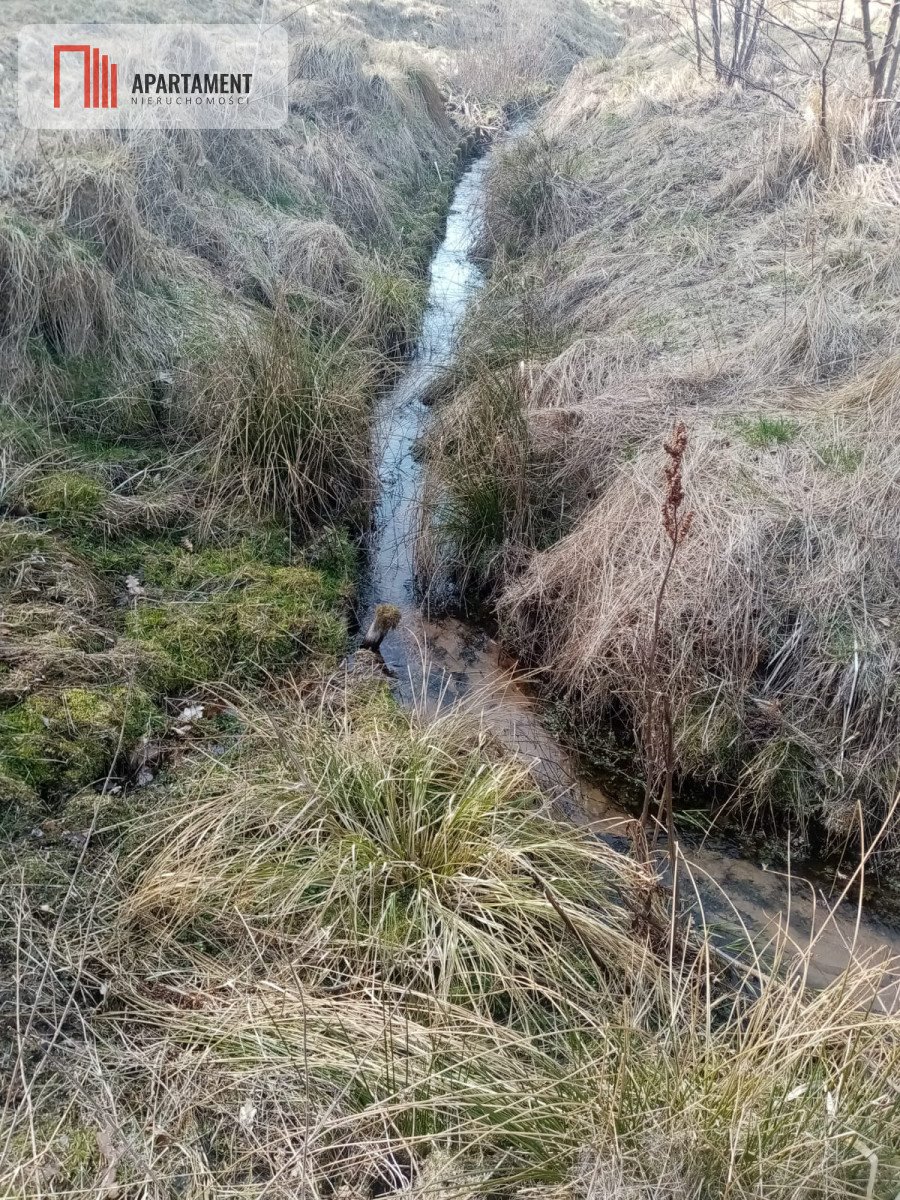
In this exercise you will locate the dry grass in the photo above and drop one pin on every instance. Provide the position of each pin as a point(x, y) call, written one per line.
point(354, 955)
point(665, 247)
point(346, 951)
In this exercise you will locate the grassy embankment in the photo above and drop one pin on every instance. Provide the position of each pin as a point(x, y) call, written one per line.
point(348, 953)
point(339, 950)
point(665, 247)
point(192, 328)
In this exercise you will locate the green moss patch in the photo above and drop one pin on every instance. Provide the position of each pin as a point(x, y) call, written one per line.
point(266, 619)
point(176, 565)
point(58, 742)
point(67, 497)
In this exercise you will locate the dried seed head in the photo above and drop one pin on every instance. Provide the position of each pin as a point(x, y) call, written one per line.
point(677, 527)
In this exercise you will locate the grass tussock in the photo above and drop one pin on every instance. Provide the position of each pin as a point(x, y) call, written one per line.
point(640, 271)
point(289, 422)
point(383, 853)
point(355, 954)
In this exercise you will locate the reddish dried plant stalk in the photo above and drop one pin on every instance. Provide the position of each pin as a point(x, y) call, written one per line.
point(658, 722)
point(676, 525)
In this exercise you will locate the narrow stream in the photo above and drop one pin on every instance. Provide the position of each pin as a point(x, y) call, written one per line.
point(440, 660)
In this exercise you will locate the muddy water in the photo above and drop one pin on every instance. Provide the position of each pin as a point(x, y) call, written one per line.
point(437, 661)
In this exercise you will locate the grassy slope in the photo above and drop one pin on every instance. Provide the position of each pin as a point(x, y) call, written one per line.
point(191, 330)
point(663, 247)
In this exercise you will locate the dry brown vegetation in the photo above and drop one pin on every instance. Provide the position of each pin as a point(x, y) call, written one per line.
point(352, 952)
point(263, 933)
point(668, 246)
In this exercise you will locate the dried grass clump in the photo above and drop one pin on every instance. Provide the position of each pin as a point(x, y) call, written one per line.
point(288, 419)
point(51, 288)
point(35, 564)
point(514, 48)
point(94, 197)
point(391, 855)
point(530, 196)
point(780, 627)
point(316, 259)
point(800, 152)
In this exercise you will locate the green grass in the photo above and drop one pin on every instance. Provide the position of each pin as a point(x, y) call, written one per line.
point(68, 498)
point(840, 457)
point(283, 199)
point(393, 302)
point(58, 742)
point(481, 450)
point(422, 210)
point(263, 620)
point(763, 432)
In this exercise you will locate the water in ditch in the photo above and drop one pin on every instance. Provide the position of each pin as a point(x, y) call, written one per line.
point(440, 660)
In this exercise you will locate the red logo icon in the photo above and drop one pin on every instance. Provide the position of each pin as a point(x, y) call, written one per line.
point(101, 77)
